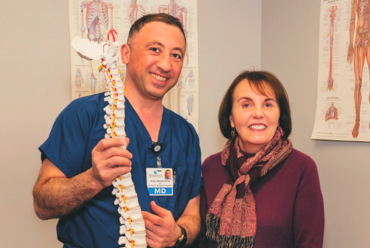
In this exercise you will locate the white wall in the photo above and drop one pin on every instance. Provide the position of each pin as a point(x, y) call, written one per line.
point(229, 42)
point(290, 38)
point(35, 73)
point(35, 87)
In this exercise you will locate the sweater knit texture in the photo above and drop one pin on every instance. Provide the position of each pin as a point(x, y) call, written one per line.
point(289, 202)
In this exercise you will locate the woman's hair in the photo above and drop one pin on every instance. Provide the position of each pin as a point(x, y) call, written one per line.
point(257, 80)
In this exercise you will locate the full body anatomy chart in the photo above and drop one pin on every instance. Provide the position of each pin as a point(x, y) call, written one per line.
point(343, 93)
point(93, 19)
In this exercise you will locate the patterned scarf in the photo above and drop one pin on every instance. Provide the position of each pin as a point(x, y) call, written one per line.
point(231, 219)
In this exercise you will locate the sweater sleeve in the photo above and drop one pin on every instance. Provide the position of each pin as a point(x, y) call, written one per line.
point(203, 212)
point(309, 209)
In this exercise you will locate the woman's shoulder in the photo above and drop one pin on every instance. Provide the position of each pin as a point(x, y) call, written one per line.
point(214, 173)
point(212, 164)
point(212, 160)
point(301, 161)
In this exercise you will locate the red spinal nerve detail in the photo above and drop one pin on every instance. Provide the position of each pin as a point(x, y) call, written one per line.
point(113, 33)
point(331, 33)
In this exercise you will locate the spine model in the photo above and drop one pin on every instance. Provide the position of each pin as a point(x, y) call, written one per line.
point(132, 223)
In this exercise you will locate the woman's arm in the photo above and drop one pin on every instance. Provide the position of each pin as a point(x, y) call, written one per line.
point(309, 209)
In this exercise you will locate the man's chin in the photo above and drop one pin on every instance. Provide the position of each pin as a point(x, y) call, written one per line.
point(156, 96)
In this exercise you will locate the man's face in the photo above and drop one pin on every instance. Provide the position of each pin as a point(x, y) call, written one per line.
point(168, 175)
point(155, 60)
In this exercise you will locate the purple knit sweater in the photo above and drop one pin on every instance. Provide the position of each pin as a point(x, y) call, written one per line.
point(289, 203)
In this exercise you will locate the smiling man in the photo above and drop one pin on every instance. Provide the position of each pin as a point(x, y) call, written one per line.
point(78, 165)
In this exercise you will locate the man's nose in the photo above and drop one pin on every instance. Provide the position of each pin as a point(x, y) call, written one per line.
point(165, 62)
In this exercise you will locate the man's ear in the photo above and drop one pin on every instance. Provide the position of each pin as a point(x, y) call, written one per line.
point(125, 53)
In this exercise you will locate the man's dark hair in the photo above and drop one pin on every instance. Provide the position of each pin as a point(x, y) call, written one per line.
point(258, 80)
point(160, 17)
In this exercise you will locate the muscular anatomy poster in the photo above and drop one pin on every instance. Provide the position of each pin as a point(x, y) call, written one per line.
point(343, 110)
point(93, 19)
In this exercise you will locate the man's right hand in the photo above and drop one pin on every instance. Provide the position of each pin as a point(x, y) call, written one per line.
point(110, 161)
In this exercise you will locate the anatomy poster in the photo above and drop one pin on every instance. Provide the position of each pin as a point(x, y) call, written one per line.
point(93, 20)
point(343, 109)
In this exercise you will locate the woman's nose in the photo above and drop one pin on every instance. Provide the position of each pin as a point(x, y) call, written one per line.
point(258, 113)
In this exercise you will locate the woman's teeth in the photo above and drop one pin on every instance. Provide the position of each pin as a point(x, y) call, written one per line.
point(258, 127)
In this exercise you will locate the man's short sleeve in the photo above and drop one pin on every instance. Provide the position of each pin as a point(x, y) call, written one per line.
point(66, 145)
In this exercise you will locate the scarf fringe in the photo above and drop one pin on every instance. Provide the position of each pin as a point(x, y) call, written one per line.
point(213, 225)
point(234, 241)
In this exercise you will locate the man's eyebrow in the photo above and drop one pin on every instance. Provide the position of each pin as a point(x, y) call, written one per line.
point(153, 42)
point(179, 49)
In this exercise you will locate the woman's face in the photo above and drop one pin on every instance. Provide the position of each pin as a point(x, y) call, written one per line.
point(254, 116)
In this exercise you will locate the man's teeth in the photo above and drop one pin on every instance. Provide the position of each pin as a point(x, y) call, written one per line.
point(258, 127)
point(158, 77)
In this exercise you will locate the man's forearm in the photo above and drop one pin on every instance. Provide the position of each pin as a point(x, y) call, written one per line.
point(191, 223)
point(57, 197)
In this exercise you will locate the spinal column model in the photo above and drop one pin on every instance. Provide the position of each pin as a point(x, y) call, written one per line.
point(96, 18)
point(180, 13)
point(135, 11)
point(359, 50)
point(331, 113)
point(131, 219)
point(331, 34)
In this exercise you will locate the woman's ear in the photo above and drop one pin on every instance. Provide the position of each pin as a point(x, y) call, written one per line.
point(231, 121)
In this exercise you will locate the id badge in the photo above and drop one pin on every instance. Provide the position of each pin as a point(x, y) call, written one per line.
point(159, 181)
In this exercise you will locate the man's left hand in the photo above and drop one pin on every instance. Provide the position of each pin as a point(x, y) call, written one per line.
point(161, 230)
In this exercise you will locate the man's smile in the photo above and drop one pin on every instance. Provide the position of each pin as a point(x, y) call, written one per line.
point(159, 78)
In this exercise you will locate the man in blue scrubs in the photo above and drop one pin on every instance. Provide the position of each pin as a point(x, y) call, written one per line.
point(79, 165)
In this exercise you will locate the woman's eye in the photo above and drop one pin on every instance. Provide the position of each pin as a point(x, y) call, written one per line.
point(154, 49)
point(268, 105)
point(246, 105)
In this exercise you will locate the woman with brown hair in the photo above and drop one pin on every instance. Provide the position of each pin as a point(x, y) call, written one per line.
point(259, 191)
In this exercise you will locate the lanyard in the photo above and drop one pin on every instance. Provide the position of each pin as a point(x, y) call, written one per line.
point(157, 148)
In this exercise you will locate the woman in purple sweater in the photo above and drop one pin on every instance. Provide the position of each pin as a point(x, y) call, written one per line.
point(259, 191)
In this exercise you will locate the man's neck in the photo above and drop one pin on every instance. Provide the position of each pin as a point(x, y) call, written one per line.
point(150, 111)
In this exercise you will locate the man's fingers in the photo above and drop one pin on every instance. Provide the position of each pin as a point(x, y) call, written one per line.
point(151, 219)
point(150, 242)
point(107, 143)
point(112, 152)
point(116, 151)
point(162, 212)
point(121, 170)
point(152, 227)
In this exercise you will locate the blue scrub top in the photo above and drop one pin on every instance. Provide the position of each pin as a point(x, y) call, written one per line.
point(78, 129)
